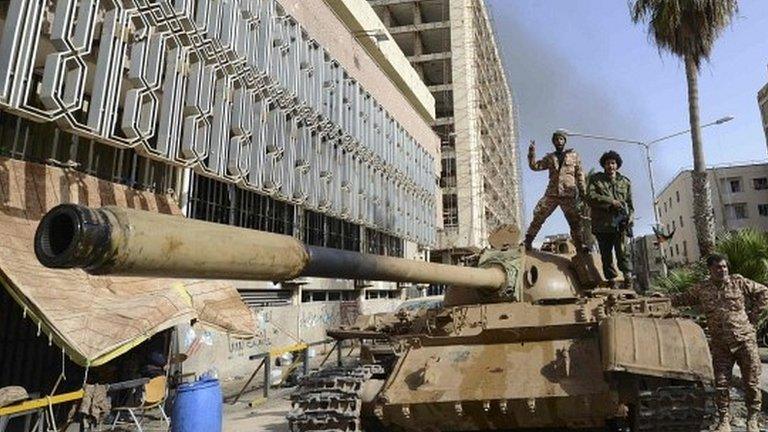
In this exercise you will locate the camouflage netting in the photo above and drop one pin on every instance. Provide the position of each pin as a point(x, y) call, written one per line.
point(512, 261)
point(96, 318)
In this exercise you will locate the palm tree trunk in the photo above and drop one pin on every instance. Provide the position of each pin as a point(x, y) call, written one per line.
point(703, 216)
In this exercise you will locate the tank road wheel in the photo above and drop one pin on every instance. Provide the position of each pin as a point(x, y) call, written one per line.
point(678, 407)
point(330, 399)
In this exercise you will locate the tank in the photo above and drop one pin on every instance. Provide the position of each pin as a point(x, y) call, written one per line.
point(521, 340)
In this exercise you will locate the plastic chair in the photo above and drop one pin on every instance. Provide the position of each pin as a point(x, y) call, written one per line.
point(155, 392)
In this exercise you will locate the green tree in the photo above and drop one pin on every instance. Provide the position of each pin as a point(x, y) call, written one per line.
point(747, 253)
point(688, 29)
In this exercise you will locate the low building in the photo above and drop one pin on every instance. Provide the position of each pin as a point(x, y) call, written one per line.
point(739, 199)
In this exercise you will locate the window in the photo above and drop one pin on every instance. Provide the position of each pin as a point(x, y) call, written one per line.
point(450, 210)
point(685, 249)
point(736, 211)
point(677, 249)
point(258, 298)
point(45, 143)
point(448, 172)
point(673, 226)
point(677, 196)
point(215, 201)
point(681, 221)
point(760, 183)
point(379, 243)
point(308, 296)
point(381, 294)
point(328, 231)
point(665, 206)
point(670, 203)
point(762, 209)
point(732, 184)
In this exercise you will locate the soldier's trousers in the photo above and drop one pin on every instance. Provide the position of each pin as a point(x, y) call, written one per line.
point(608, 243)
point(746, 356)
point(546, 205)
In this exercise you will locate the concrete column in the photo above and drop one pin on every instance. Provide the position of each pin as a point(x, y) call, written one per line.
point(416, 12)
point(468, 147)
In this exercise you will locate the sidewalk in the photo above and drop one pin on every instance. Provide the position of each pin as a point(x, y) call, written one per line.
point(268, 416)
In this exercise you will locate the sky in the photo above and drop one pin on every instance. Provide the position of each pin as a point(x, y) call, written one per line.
point(582, 65)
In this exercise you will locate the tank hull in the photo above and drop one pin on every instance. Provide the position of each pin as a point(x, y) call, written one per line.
point(541, 384)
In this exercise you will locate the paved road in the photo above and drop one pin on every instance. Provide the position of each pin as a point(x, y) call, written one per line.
point(267, 417)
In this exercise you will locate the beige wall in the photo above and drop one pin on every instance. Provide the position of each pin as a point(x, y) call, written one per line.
point(671, 211)
point(276, 327)
point(327, 28)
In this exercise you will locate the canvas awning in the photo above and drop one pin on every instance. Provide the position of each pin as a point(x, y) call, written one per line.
point(96, 318)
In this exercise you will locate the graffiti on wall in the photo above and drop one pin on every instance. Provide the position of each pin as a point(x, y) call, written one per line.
point(348, 312)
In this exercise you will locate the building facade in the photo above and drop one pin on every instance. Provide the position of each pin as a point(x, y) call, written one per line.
point(283, 116)
point(452, 46)
point(762, 102)
point(739, 198)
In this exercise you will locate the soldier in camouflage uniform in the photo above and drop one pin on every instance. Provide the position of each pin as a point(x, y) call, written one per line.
point(731, 305)
point(610, 201)
point(566, 185)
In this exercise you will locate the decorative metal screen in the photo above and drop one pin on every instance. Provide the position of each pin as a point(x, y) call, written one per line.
point(235, 89)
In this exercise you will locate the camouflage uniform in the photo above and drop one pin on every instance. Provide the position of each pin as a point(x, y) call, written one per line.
point(731, 309)
point(602, 191)
point(566, 184)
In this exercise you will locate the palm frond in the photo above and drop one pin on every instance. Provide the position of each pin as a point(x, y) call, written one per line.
point(686, 28)
point(747, 253)
point(679, 280)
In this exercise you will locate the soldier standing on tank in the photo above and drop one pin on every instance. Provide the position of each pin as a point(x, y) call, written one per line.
point(731, 304)
point(566, 186)
point(610, 200)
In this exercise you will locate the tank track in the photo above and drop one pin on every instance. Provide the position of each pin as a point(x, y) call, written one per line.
point(329, 400)
point(683, 408)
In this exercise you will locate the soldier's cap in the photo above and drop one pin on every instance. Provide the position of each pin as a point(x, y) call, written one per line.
point(558, 133)
point(610, 155)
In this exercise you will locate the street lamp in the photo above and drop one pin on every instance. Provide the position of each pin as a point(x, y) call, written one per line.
point(647, 146)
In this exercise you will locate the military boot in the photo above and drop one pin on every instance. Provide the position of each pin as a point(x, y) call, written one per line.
point(724, 423)
point(629, 282)
point(752, 422)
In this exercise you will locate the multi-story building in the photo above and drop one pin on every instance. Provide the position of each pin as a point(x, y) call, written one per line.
point(739, 199)
point(300, 118)
point(762, 102)
point(452, 46)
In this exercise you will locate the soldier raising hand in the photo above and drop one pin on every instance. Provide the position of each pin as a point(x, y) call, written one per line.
point(566, 185)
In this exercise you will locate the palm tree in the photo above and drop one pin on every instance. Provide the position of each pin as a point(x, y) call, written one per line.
point(688, 29)
point(747, 253)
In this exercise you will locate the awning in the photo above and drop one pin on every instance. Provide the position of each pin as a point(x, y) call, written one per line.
point(96, 318)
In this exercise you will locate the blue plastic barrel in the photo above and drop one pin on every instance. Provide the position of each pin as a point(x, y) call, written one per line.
point(197, 407)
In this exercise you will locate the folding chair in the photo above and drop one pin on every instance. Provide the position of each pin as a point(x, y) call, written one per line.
point(155, 392)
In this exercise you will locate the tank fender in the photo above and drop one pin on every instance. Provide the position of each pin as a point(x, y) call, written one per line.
point(660, 347)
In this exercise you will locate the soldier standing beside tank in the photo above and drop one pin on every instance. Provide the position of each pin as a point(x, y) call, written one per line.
point(731, 305)
point(610, 200)
point(566, 186)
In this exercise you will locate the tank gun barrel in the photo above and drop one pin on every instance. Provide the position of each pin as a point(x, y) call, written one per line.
point(113, 240)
